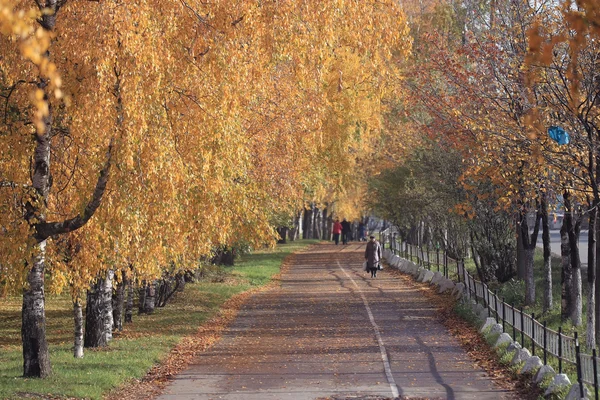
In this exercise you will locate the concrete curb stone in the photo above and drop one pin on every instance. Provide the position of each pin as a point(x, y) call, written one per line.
point(532, 364)
point(574, 393)
point(559, 382)
point(427, 276)
point(502, 339)
point(437, 277)
point(445, 285)
point(520, 356)
point(543, 372)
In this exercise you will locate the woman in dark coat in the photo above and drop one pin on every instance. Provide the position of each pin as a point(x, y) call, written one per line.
point(373, 256)
point(345, 231)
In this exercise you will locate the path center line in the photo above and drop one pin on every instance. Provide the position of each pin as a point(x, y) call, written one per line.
point(384, 356)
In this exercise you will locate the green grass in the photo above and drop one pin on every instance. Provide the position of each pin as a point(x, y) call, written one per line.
point(144, 343)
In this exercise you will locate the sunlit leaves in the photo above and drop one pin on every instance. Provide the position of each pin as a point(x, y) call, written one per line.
point(223, 116)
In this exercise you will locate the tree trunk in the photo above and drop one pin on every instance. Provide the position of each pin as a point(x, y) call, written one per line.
point(282, 231)
point(566, 274)
point(107, 309)
point(95, 336)
point(295, 232)
point(597, 285)
point(528, 255)
point(78, 333)
point(596, 265)
point(573, 232)
point(129, 303)
point(306, 223)
point(521, 261)
point(317, 223)
point(325, 232)
point(180, 278)
point(547, 301)
point(36, 360)
point(529, 244)
point(149, 298)
point(591, 277)
point(477, 260)
point(228, 256)
point(310, 219)
point(141, 298)
point(117, 304)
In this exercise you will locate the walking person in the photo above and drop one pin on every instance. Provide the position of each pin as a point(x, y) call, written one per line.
point(362, 232)
point(373, 256)
point(337, 230)
point(345, 231)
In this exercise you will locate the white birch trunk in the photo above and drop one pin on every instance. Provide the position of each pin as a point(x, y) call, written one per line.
point(36, 360)
point(107, 305)
point(78, 334)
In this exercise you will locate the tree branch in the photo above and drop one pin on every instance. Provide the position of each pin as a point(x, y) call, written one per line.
point(46, 229)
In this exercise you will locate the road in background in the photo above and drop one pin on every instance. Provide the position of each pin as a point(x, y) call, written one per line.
point(555, 244)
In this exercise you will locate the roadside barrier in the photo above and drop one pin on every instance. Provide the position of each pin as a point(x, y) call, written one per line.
point(532, 333)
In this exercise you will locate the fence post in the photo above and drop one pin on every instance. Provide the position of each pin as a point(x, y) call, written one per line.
point(458, 271)
point(595, 363)
point(468, 281)
point(437, 258)
point(394, 244)
point(489, 305)
point(503, 315)
point(422, 257)
point(560, 349)
point(514, 323)
point(545, 342)
point(446, 264)
point(578, 360)
point(522, 329)
point(533, 334)
point(496, 306)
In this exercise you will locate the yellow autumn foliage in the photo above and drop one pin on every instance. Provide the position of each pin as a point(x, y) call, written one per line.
point(221, 115)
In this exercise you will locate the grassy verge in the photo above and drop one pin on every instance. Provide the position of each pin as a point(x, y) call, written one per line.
point(134, 351)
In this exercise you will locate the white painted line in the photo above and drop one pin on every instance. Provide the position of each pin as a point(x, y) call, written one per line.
point(384, 357)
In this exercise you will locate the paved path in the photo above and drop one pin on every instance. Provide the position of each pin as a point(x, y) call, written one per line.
point(331, 331)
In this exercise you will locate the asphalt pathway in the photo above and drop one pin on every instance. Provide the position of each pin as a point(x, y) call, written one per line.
point(332, 332)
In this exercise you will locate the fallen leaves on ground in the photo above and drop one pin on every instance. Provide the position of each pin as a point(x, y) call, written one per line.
point(188, 348)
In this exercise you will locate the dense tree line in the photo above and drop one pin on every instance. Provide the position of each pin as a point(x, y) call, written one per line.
point(140, 138)
point(505, 95)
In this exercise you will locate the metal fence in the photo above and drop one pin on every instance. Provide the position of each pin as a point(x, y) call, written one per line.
point(524, 327)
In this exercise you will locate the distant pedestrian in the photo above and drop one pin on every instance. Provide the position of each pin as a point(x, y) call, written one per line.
point(337, 230)
point(373, 256)
point(345, 231)
point(362, 232)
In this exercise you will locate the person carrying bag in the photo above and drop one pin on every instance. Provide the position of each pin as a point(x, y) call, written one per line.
point(373, 256)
